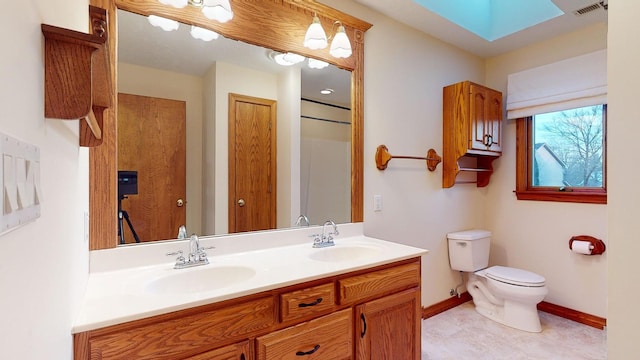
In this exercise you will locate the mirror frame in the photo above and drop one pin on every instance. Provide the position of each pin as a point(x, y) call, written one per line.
point(276, 24)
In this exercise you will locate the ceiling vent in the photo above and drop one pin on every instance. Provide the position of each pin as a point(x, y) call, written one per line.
point(593, 7)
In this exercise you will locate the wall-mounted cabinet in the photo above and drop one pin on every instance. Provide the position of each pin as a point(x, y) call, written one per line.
point(472, 124)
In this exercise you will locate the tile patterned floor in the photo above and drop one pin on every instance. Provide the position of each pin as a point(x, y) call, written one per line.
point(461, 333)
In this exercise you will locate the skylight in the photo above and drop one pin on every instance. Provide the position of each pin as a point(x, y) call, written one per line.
point(493, 19)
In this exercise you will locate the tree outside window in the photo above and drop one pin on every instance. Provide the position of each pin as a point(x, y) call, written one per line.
point(561, 156)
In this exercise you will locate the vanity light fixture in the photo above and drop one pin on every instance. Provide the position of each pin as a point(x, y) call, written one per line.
point(317, 64)
point(175, 3)
point(315, 38)
point(286, 59)
point(219, 10)
point(203, 34)
point(340, 45)
point(163, 23)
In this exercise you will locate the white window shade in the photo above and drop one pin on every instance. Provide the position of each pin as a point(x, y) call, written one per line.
point(567, 84)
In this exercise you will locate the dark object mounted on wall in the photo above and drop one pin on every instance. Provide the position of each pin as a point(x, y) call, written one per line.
point(596, 246)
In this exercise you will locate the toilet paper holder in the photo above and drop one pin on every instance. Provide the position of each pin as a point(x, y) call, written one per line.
point(597, 246)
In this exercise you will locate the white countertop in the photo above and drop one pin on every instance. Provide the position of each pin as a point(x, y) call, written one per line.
point(118, 293)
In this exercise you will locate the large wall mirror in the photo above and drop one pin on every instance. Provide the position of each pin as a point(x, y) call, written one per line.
point(191, 87)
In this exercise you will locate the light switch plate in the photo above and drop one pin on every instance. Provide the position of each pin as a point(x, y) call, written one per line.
point(20, 182)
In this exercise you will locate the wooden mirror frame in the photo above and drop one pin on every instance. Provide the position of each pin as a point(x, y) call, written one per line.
point(276, 24)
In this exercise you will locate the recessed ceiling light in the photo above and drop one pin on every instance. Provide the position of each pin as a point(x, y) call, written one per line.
point(326, 91)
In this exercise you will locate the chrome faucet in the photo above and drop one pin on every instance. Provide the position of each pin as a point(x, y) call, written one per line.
point(197, 254)
point(182, 232)
point(326, 238)
point(302, 221)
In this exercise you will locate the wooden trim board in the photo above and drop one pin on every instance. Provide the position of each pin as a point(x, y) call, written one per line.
point(561, 311)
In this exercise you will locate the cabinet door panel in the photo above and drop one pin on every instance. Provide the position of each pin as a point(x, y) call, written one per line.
point(389, 328)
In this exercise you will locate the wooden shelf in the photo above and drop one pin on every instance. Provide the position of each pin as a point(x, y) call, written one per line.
point(77, 76)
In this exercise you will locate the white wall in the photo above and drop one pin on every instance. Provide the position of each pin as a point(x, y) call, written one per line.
point(44, 265)
point(145, 81)
point(623, 57)
point(534, 235)
point(405, 71)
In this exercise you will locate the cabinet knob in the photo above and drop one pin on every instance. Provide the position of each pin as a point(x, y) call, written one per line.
point(180, 202)
point(241, 202)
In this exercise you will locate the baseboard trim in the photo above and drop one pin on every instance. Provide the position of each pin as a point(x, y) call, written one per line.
point(445, 305)
point(557, 310)
point(583, 318)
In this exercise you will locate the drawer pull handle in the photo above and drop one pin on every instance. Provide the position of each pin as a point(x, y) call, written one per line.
point(318, 301)
point(242, 357)
point(364, 325)
point(303, 353)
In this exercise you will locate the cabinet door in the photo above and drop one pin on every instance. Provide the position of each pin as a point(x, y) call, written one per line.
point(486, 118)
point(239, 351)
point(389, 328)
point(327, 338)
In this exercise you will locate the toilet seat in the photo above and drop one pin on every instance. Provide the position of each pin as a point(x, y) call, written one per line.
point(514, 276)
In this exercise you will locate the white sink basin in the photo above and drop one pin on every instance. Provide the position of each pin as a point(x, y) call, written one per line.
point(340, 253)
point(199, 279)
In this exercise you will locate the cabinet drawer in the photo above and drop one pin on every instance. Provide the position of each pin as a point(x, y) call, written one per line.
point(306, 302)
point(174, 337)
point(327, 338)
point(239, 351)
point(377, 283)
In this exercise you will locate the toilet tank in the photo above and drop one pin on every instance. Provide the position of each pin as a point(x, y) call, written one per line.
point(469, 250)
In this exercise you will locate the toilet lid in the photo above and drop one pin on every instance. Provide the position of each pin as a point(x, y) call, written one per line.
point(514, 276)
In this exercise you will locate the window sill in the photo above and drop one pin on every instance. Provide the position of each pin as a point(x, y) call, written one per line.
point(592, 197)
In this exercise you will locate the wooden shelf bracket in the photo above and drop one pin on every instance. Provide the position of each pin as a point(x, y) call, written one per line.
point(383, 157)
point(77, 76)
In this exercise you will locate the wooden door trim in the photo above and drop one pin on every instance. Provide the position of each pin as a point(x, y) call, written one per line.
point(233, 98)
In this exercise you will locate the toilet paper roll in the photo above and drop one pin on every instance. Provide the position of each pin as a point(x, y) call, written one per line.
point(581, 247)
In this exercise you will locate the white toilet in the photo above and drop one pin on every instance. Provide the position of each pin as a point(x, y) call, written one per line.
point(503, 294)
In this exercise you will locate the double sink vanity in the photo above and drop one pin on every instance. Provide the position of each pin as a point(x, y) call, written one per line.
point(268, 295)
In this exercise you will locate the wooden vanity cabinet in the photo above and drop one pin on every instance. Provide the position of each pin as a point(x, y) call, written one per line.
point(471, 128)
point(366, 314)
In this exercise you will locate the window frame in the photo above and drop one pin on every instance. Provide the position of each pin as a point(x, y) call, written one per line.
point(524, 189)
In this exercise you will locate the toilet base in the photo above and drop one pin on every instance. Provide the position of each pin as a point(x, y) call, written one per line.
point(515, 315)
point(513, 307)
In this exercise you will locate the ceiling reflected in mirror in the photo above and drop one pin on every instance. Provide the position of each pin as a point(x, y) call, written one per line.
point(178, 51)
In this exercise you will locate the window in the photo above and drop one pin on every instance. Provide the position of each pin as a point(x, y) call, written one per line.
point(561, 156)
